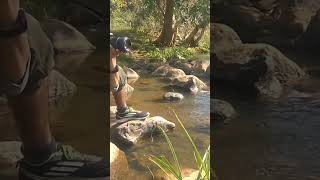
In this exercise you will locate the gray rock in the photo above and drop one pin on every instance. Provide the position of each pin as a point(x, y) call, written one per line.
point(310, 40)
point(129, 90)
point(81, 13)
point(66, 38)
point(222, 110)
point(184, 66)
point(9, 155)
point(168, 71)
point(224, 37)
point(130, 132)
point(275, 19)
point(199, 68)
point(260, 66)
point(59, 87)
point(189, 83)
point(131, 74)
point(172, 96)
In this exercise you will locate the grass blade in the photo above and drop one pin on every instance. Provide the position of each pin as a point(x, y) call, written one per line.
point(165, 166)
point(173, 152)
point(203, 164)
point(195, 149)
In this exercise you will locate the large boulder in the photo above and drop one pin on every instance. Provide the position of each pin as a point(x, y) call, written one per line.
point(81, 13)
point(168, 71)
point(130, 132)
point(190, 83)
point(131, 74)
point(224, 37)
point(257, 66)
point(66, 38)
point(310, 40)
point(245, 19)
point(199, 68)
point(118, 163)
point(278, 22)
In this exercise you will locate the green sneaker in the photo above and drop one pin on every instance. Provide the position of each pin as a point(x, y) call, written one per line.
point(129, 113)
point(65, 164)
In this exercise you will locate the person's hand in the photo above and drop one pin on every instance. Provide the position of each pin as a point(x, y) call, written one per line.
point(113, 61)
point(113, 53)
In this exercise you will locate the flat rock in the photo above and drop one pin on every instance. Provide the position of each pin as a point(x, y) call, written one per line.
point(173, 96)
point(118, 163)
point(168, 71)
point(189, 83)
point(130, 132)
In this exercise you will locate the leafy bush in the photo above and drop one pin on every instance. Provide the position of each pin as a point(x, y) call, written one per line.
point(170, 52)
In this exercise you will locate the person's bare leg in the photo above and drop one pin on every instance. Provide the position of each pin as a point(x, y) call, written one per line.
point(120, 98)
point(30, 111)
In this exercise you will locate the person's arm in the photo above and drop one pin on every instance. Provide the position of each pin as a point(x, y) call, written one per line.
point(114, 77)
point(14, 51)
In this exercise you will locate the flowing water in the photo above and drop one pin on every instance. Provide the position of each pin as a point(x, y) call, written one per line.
point(81, 121)
point(272, 140)
point(194, 111)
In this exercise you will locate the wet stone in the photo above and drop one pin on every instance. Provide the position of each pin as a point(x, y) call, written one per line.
point(172, 96)
point(130, 132)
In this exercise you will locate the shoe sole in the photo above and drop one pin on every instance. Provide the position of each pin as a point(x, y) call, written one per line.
point(124, 120)
point(35, 177)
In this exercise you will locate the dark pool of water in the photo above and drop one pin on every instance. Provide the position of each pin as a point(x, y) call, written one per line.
point(272, 140)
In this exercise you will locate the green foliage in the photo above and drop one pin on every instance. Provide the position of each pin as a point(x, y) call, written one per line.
point(170, 52)
point(148, 16)
point(203, 162)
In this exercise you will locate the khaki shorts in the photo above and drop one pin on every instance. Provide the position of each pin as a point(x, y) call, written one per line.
point(42, 47)
point(123, 78)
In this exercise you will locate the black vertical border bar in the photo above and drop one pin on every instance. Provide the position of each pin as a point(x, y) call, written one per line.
point(107, 99)
point(212, 146)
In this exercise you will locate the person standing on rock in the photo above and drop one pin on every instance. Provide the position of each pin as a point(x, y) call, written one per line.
point(118, 80)
point(25, 60)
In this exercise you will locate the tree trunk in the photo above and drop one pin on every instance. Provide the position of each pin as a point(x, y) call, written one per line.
point(166, 37)
point(192, 40)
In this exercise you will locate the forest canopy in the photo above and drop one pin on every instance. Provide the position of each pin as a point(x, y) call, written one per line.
point(171, 21)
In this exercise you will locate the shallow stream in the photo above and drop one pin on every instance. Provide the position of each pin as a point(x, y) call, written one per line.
point(276, 140)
